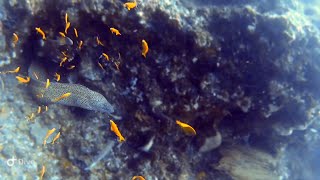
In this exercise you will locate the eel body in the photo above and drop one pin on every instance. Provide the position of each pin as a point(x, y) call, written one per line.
point(81, 96)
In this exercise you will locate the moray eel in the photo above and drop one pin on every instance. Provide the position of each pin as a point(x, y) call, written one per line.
point(81, 96)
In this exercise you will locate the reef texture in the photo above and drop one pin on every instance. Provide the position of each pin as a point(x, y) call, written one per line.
point(244, 74)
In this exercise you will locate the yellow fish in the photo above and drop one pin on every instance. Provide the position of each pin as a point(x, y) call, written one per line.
point(115, 129)
point(41, 32)
point(62, 97)
point(105, 56)
point(66, 18)
point(56, 138)
point(80, 44)
point(15, 39)
point(13, 71)
point(47, 135)
point(23, 80)
point(137, 178)
point(145, 48)
point(48, 83)
point(57, 76)
point(130, 5)
point(186, 128)
point(62, 34)
point(116, 31)
point(67, 27)
point(43, 170)
point(75, 32)
point(39, 110)
point(63, 60)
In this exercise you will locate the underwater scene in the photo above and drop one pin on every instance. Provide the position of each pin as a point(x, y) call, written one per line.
point(159, 89)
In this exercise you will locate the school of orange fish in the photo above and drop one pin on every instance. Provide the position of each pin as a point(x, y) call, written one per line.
point(186, 128)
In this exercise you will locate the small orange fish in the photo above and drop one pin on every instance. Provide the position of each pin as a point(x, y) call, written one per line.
point(61, 97)
point(67, 27)
point(12, 71)
point(137, 178)
point(66, 18)
point(43, 170)
point(57, 76)
point(105, 56)
point(62, 34)
point(41, 32)
point(130, 5)
point(115, 129)
point(80, 44)
point(63, 60)
point(47, 83)
point(116, 31)
point(15, 39)
point(98, 41)
point(16, 70)
point(145, 48)
point(55, 138)
point(48, 134)
point(39, 110)
point(75, 32)
point(186, 128)
point(23, 80)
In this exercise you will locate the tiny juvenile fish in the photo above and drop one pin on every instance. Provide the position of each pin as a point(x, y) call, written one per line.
point(43, 170)
point(115, 129)
point(186, 128)
point(98, 41)
point(41, 32)
point(75, 32)
point(39, 110)
point(62, 34)
point(137, 178)
point(16, 70)
point(130, 5)
point(47, 83)
point(57, 76)
point(55, 138)
point(15, 38)
point(61, 97)
point(67, 27)
point(63, 60)
point(48, 134)
point(66, 18)
point(115, 31)
point(80, 44)
point(23, 80)
point(145, 48)
point(105, 56)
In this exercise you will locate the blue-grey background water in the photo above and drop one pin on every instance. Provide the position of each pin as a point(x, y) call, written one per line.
point(243, 73)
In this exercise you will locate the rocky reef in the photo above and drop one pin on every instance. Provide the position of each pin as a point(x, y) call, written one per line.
point(244, 74)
